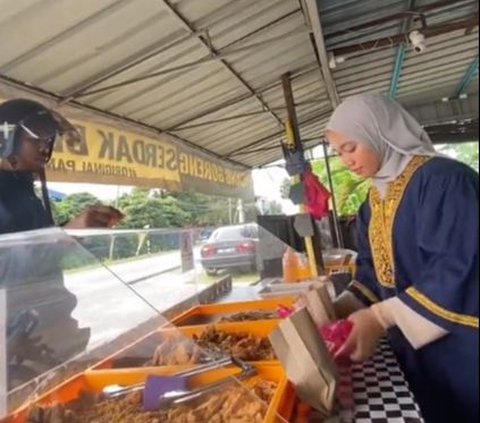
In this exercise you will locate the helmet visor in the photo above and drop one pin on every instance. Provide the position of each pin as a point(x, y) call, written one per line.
point(51, 126)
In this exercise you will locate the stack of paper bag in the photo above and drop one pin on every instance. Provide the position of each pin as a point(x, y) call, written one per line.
point(319, 304)
point(306, 360)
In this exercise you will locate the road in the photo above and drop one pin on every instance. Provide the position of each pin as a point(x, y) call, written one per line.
point(114, 300)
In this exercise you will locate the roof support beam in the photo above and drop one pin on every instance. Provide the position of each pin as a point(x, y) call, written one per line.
point(153, 51)
point(219, 55)
point(241, 116)
point(470, 75)
point(400, 56)
point(398, 16)
point(22, 87)
point(305, 141)
point(437, 112)
point(275, 135)
point(129, 63)
point(394, 40)
point(313, 15)
point(228, 103)
point(69, 32)
point(397, 70)
point(453, 133)
point(205, 42)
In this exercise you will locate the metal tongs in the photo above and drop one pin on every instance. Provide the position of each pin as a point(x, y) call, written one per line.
point(177, 397)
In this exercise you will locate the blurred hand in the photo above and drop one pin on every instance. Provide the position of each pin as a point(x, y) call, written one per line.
point(96, 217)
point(346, 304)
point(364, 337)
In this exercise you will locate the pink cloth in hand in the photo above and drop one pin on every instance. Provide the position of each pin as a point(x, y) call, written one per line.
point(335, 336)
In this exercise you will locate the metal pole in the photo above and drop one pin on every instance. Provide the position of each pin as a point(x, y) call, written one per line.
point(295, 134)
point(241, 212)
point(336, 226)
point(112, 247)
point(3, 353)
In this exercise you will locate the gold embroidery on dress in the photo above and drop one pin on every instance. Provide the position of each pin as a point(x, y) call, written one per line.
point(461, 319)
point(382, 219)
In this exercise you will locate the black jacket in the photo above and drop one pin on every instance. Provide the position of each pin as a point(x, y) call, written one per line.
point(32, 275)
point(20, 209)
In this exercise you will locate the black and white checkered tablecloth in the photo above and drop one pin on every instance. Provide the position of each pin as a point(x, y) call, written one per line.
point(376, 392)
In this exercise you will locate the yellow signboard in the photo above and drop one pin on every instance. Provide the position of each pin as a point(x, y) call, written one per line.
point(107, 155)
point(110, 155)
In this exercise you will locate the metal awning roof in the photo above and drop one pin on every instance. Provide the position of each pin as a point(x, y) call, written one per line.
point(208, 71)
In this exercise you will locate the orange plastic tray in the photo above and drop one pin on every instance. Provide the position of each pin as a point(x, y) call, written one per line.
point(281, 404)
point(225, 309)
point(145, 347)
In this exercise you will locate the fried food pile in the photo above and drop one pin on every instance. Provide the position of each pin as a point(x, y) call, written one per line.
point(249, 316)
point(244, 346)
point(211, 344)
point(175, 352)
point(232, 405)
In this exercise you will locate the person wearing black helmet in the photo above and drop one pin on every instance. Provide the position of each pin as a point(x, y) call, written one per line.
point(41, 332)
point(28, 131)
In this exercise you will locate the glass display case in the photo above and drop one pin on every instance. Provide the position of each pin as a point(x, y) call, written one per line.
point(85, 322)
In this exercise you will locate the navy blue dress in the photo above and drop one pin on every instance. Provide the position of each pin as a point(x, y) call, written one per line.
point(420, 243)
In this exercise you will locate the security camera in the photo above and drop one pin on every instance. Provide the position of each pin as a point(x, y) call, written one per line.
point(418, 41)
point(333, 60)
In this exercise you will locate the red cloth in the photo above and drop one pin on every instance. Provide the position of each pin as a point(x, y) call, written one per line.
point(336, 334)
point(316, 196)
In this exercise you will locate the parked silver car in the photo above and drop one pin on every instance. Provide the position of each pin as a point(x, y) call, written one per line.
point(231, 247)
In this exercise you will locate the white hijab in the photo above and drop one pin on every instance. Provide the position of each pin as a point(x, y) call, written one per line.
point(387, 128)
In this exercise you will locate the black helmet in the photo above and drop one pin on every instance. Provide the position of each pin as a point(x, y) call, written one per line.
point(36, 120)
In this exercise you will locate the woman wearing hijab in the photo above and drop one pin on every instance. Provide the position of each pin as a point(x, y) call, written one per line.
point(417, 268)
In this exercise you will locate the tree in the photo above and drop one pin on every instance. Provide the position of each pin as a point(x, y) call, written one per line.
point(350, 190)
point(72, 205)
point(141, 211)
point(269, 207)
point(285, 188)
point(209, 210)
point(202, 209)
point(465, 152)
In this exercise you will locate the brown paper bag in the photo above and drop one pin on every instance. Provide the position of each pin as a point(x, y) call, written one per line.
point(319, 305)
point(306, 360)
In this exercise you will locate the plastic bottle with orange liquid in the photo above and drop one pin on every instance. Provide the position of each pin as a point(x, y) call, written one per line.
point(295, 266)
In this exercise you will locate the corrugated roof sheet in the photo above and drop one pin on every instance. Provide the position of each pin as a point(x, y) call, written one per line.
point(229, 101)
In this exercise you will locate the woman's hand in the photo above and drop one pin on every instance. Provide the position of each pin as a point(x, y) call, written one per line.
point(346, 304)
point(364, 337)
point(96, 217)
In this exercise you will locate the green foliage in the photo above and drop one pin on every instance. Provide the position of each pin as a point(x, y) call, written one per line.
point(73, 205)
point(141, 211)
point(270, 207)
point(153, 209)
point(285, 188)
point(350, 190)
point(144, 208)
point(465, 152)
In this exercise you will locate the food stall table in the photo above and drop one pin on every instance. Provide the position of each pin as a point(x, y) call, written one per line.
point(373, 392)
point(377, 392)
